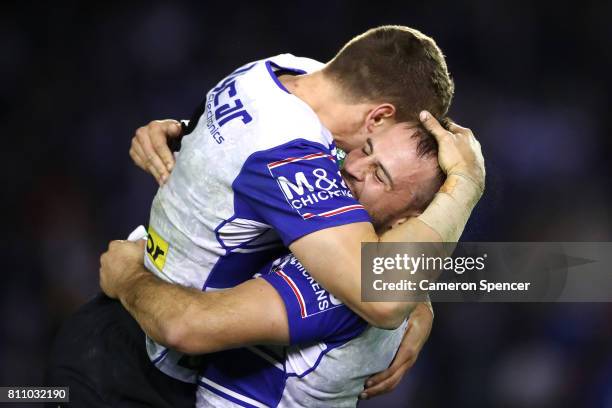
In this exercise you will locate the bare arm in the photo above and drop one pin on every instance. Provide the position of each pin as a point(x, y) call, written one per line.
point(343, 245)
point(417, 333)
point(188, 320)
point(443, 221)
point(460, 157)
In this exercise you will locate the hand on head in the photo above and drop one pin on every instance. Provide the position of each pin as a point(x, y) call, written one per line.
point(459, 153)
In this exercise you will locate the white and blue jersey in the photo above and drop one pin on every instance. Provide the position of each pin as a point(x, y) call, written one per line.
point(332, 353)
point(256, 172)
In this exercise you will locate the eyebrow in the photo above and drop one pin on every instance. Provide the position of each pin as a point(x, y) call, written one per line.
point(369, 142)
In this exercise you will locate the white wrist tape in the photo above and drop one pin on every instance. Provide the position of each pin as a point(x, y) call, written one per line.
point(451, 207)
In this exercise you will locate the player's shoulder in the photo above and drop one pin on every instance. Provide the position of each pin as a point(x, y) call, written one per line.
point(281, 116)
point(295, 63)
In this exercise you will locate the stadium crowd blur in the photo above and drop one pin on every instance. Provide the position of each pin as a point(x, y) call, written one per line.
point(532, 81)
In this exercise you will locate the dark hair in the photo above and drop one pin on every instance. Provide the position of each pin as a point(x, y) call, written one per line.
point(398, 65)
point(427, 146)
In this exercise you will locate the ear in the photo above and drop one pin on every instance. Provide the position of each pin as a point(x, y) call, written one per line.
point(381, 115)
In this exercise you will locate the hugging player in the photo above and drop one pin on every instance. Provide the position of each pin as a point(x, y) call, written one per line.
point(210, 220)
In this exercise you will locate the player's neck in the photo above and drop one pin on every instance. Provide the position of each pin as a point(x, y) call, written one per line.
point(321, 94)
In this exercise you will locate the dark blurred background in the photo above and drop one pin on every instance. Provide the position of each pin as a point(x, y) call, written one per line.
point(532, 81)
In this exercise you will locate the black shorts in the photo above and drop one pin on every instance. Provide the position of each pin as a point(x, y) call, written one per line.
point(100, 354)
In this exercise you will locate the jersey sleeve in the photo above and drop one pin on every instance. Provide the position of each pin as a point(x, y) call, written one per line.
point(313, 314)
point(297, 189)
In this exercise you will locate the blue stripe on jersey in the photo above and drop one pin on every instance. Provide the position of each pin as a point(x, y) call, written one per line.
point(317, 361)
point(160, 357)
point(242, 244)
point(253, 374)
point(222, 394)
point(269, 67)
point(243, 69)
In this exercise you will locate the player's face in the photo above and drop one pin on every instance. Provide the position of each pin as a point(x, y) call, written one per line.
point(387, 176)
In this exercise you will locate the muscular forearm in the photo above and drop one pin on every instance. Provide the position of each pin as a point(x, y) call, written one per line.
point(148, 299)
point(442, 222)
point(196, 322)
point(444, 219)
point(343, 277)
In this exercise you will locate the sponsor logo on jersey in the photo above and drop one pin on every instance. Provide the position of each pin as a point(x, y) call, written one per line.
point(312, 190)
point(219, 113)
point(311, 296)
point(157, 249)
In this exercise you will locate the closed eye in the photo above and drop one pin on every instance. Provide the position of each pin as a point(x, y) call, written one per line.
point(380, 180)
point(368, 149)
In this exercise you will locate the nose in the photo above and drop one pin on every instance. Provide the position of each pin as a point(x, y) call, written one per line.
point(358, 167)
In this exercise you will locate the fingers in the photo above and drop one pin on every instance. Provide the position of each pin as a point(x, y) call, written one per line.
point(161, 131)
point(101, 275)
point(173, 130)
point(150, 149)
point(135, 154)
point(415, 336)
point(464, 132)
point(455, 128)
point(141, 243)
point(102, 259)
point(153, 162)
point(433, 126)
point(467, 135)
point(387, 380)
point(379, 377)
point(391, 381)
point(114, 245)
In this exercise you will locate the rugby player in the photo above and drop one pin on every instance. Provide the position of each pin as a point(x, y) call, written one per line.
point(278, 183)
point(257, 174)
point(333, 350)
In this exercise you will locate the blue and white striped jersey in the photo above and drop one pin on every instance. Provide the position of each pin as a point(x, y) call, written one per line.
point(257, 171)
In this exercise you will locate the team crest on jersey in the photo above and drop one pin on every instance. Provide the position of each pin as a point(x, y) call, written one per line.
point(311, 190)
point(157, 249)
point(340, 155)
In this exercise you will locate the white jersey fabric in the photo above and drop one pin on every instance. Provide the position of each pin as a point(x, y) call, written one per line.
point(256, 172)
point(313, 377)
